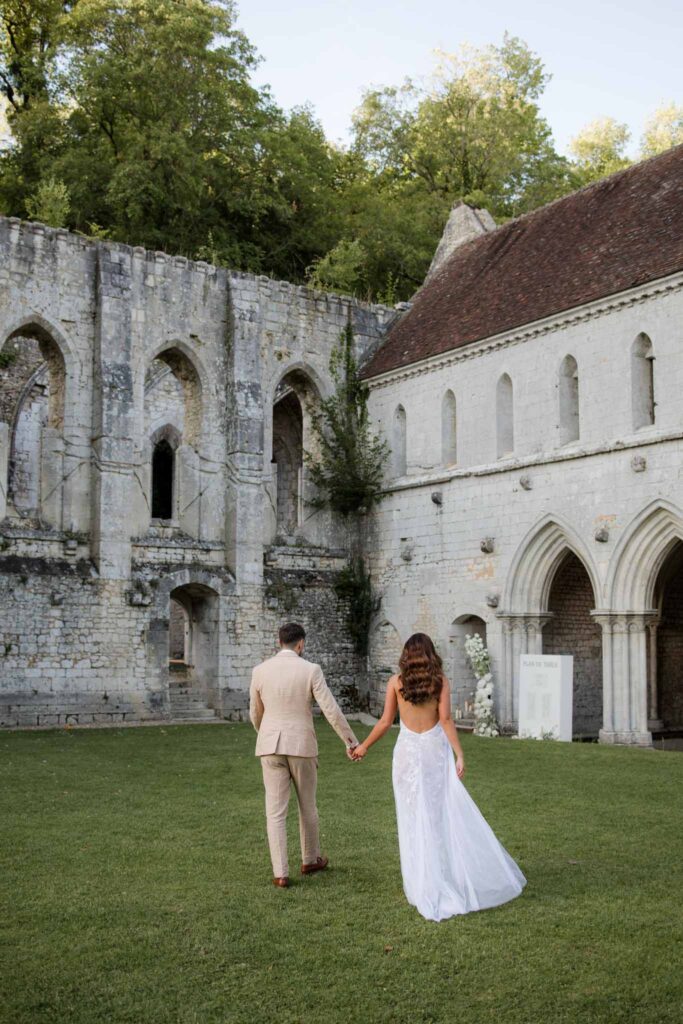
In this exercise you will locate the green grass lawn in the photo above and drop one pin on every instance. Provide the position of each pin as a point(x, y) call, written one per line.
point(136, 887)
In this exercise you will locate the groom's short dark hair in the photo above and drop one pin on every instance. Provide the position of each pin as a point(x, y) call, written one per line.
point(291, 633)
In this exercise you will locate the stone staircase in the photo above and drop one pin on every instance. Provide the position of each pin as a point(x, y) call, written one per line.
point(188, 703)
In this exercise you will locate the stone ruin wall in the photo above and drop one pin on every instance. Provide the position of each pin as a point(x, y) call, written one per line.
point(86, 577)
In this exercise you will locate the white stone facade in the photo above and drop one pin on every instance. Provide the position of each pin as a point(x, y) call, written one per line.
point(479, 537)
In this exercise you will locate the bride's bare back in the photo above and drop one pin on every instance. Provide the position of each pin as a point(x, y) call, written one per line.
point(417, 717)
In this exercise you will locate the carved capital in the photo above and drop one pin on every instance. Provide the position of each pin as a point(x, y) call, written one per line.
point(524, 623)
point(626, 621)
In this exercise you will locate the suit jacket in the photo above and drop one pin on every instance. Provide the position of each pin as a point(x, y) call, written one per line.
point(281, 698)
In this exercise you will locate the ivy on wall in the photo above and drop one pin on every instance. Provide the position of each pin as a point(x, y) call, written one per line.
point(348, 467)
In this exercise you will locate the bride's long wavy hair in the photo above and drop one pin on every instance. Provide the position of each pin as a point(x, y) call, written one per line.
point(420, 670)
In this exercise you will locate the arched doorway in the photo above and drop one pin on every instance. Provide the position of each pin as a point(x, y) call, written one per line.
point(295, 403)
point(193, 647)
point(572, 630)
point(665, 669)
point(463, 679)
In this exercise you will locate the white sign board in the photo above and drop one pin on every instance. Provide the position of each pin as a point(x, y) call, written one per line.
point(545, 696)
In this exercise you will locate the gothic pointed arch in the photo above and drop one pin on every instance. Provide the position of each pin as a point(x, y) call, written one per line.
point(638, 557)
point(37, 375)
point(536, 562)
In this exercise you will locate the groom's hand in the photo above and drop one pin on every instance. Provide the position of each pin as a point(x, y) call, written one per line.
point(349, 752)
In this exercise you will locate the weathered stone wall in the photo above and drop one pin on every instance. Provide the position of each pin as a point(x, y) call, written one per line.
point(140, 346)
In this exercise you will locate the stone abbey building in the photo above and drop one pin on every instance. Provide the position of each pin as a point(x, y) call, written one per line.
point(155, 412)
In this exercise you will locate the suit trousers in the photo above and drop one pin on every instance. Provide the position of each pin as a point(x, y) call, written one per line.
point(279, 772)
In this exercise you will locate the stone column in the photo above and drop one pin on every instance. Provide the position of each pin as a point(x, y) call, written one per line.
point(51, 476)
point(4, 467)
point(270, 510)
point(187, 482)
point(625, 638)
point(245, 497)
point(114, 414)
point(522, 633)
point(654, 722)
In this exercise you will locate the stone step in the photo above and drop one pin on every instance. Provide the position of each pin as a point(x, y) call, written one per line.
point(193, 714)
point(195, 721)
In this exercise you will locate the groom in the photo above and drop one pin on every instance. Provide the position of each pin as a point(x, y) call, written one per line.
point(282, 692)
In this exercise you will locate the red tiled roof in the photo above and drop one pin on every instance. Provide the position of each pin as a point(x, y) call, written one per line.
point(620, 232)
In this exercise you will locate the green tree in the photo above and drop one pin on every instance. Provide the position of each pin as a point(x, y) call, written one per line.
point(348, 468)
point(662, 131)
point(474, 133)
point(599, 150)
point(340, 269)
point(50, 204)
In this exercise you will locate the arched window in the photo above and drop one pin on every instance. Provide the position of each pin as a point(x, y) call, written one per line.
point(505, 430)
point(642, 382)
point(398, 443)
point(162, 480)
point(449, 440)
point(288, 460)
point(569, 400)
point(32, 406)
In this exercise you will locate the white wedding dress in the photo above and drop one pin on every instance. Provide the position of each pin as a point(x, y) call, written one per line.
point(451, 861)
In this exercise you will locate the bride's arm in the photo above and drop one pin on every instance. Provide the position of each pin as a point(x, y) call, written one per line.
point(448, 726)
point(385, 723)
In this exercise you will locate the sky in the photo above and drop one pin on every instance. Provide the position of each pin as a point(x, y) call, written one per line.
point(606, 59)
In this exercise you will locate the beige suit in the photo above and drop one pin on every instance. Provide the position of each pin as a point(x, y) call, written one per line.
point(282, 692)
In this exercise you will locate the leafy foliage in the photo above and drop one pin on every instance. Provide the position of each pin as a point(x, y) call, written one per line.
point(599, 149)
point(50, 204)
point(348, 468)
point(354, 587)
point(663, 130)
point(138, 121)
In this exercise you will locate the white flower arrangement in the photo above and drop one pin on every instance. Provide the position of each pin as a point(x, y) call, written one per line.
point(485, 723)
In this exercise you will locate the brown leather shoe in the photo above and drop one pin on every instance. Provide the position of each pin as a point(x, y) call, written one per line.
point(281, 883)
point(319, 865)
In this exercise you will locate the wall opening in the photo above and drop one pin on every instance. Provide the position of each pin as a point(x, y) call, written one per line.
point(666, 654)
point(192, 642)
point(569, 400)
point(172, 430)
point(163, 472)
point(642, 382)
point(449, 436)
point(462, 678)
point(505, 428)
point(288, 461)
point(572, 630)
point(399, 442)
point(179, 635)
point(32, 394)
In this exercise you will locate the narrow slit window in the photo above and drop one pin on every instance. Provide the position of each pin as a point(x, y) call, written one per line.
point(162, 481)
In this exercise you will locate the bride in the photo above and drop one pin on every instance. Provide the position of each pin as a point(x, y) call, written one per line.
point(451, 861)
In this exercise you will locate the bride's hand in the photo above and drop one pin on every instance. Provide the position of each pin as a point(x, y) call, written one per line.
point(460, 766)
point(359, 752)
